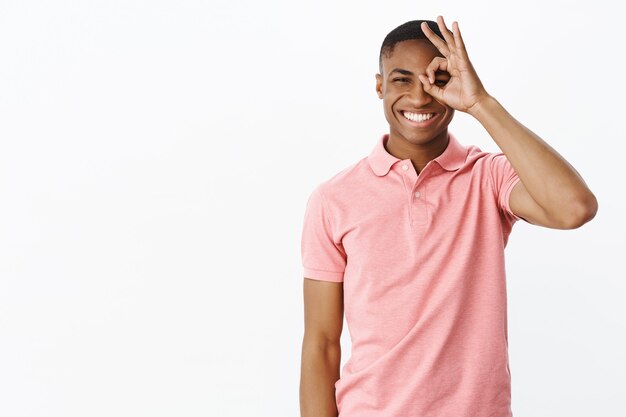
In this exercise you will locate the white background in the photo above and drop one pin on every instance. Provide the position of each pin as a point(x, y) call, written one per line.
point(156, 158)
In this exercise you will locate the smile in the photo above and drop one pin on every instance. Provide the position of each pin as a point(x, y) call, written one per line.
point(419, 119)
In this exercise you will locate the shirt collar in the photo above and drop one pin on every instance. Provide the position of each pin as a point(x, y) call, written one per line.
point(451, 159)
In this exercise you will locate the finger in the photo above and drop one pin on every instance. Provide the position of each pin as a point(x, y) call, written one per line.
point(431, 89)
point(447, 35)
point(435, 39)
point(458, 38)
point(438, 63)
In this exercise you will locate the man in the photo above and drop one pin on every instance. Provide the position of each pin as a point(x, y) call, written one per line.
point(410, 242)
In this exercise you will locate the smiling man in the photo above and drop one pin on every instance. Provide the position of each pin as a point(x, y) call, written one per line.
point(409, 242)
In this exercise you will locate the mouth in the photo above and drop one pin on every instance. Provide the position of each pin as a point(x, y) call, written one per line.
point(423, 119)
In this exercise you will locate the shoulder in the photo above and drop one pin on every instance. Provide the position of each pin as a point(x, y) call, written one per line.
point(345, 179)
point(466, 155)
point(482, 160)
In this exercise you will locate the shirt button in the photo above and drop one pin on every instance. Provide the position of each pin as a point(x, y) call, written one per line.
point(417, 194)
point(405, 167)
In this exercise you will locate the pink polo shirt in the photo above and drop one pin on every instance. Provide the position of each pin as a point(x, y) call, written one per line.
point(421, 258)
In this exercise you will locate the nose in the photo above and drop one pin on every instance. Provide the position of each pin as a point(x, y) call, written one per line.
point(417, 96)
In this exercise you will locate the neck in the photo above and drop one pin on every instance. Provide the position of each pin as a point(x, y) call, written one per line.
point(419, 153)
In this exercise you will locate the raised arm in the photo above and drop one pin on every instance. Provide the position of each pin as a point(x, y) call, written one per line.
point(550, 192)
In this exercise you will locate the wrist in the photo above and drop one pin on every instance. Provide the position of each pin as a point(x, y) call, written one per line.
point(481, 105)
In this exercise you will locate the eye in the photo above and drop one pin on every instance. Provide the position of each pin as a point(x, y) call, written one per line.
point(402, 80)
point(442, 81)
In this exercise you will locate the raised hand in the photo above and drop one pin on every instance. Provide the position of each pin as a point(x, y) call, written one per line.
point(464, 89)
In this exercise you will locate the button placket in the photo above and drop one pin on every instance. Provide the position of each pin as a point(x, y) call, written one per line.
point(417, 210)
point(418, 206)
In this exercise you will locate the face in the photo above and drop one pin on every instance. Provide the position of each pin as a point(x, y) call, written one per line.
point(402, 92)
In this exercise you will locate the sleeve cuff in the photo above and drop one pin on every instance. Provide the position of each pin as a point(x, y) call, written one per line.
point(321, 275)
point(507, 193)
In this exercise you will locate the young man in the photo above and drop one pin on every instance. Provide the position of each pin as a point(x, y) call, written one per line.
point(410, 242)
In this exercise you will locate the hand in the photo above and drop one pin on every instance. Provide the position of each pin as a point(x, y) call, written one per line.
point(464, 89)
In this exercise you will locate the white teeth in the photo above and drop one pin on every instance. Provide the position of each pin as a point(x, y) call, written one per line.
point(418, 117)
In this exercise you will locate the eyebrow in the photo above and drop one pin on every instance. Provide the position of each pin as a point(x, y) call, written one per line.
point(407, 72)
point(401, 71)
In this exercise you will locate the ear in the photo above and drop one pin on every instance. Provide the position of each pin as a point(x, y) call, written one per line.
point(379, 86)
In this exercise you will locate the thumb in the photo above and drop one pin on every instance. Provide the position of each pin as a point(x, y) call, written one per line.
point(431, 89)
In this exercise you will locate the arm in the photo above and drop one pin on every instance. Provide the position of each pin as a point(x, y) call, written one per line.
point(321, 349)
point(550, 193)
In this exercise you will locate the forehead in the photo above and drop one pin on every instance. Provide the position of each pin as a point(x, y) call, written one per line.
point(414, 55)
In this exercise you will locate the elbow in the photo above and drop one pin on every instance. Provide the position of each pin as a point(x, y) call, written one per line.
point(585, 212)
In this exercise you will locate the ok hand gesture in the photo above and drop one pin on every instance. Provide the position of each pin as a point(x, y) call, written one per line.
point(464, 89)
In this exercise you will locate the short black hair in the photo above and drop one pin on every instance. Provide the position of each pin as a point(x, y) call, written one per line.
point(406, 31)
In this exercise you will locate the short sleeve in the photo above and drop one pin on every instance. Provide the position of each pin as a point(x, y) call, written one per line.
point(503, 178)
point(322, 257)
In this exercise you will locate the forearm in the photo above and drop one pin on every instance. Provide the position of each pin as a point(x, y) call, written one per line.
point(319, 372)
point(551, 181)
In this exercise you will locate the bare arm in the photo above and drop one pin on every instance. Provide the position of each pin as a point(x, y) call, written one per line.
point(321, 349)
point(551, 192)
